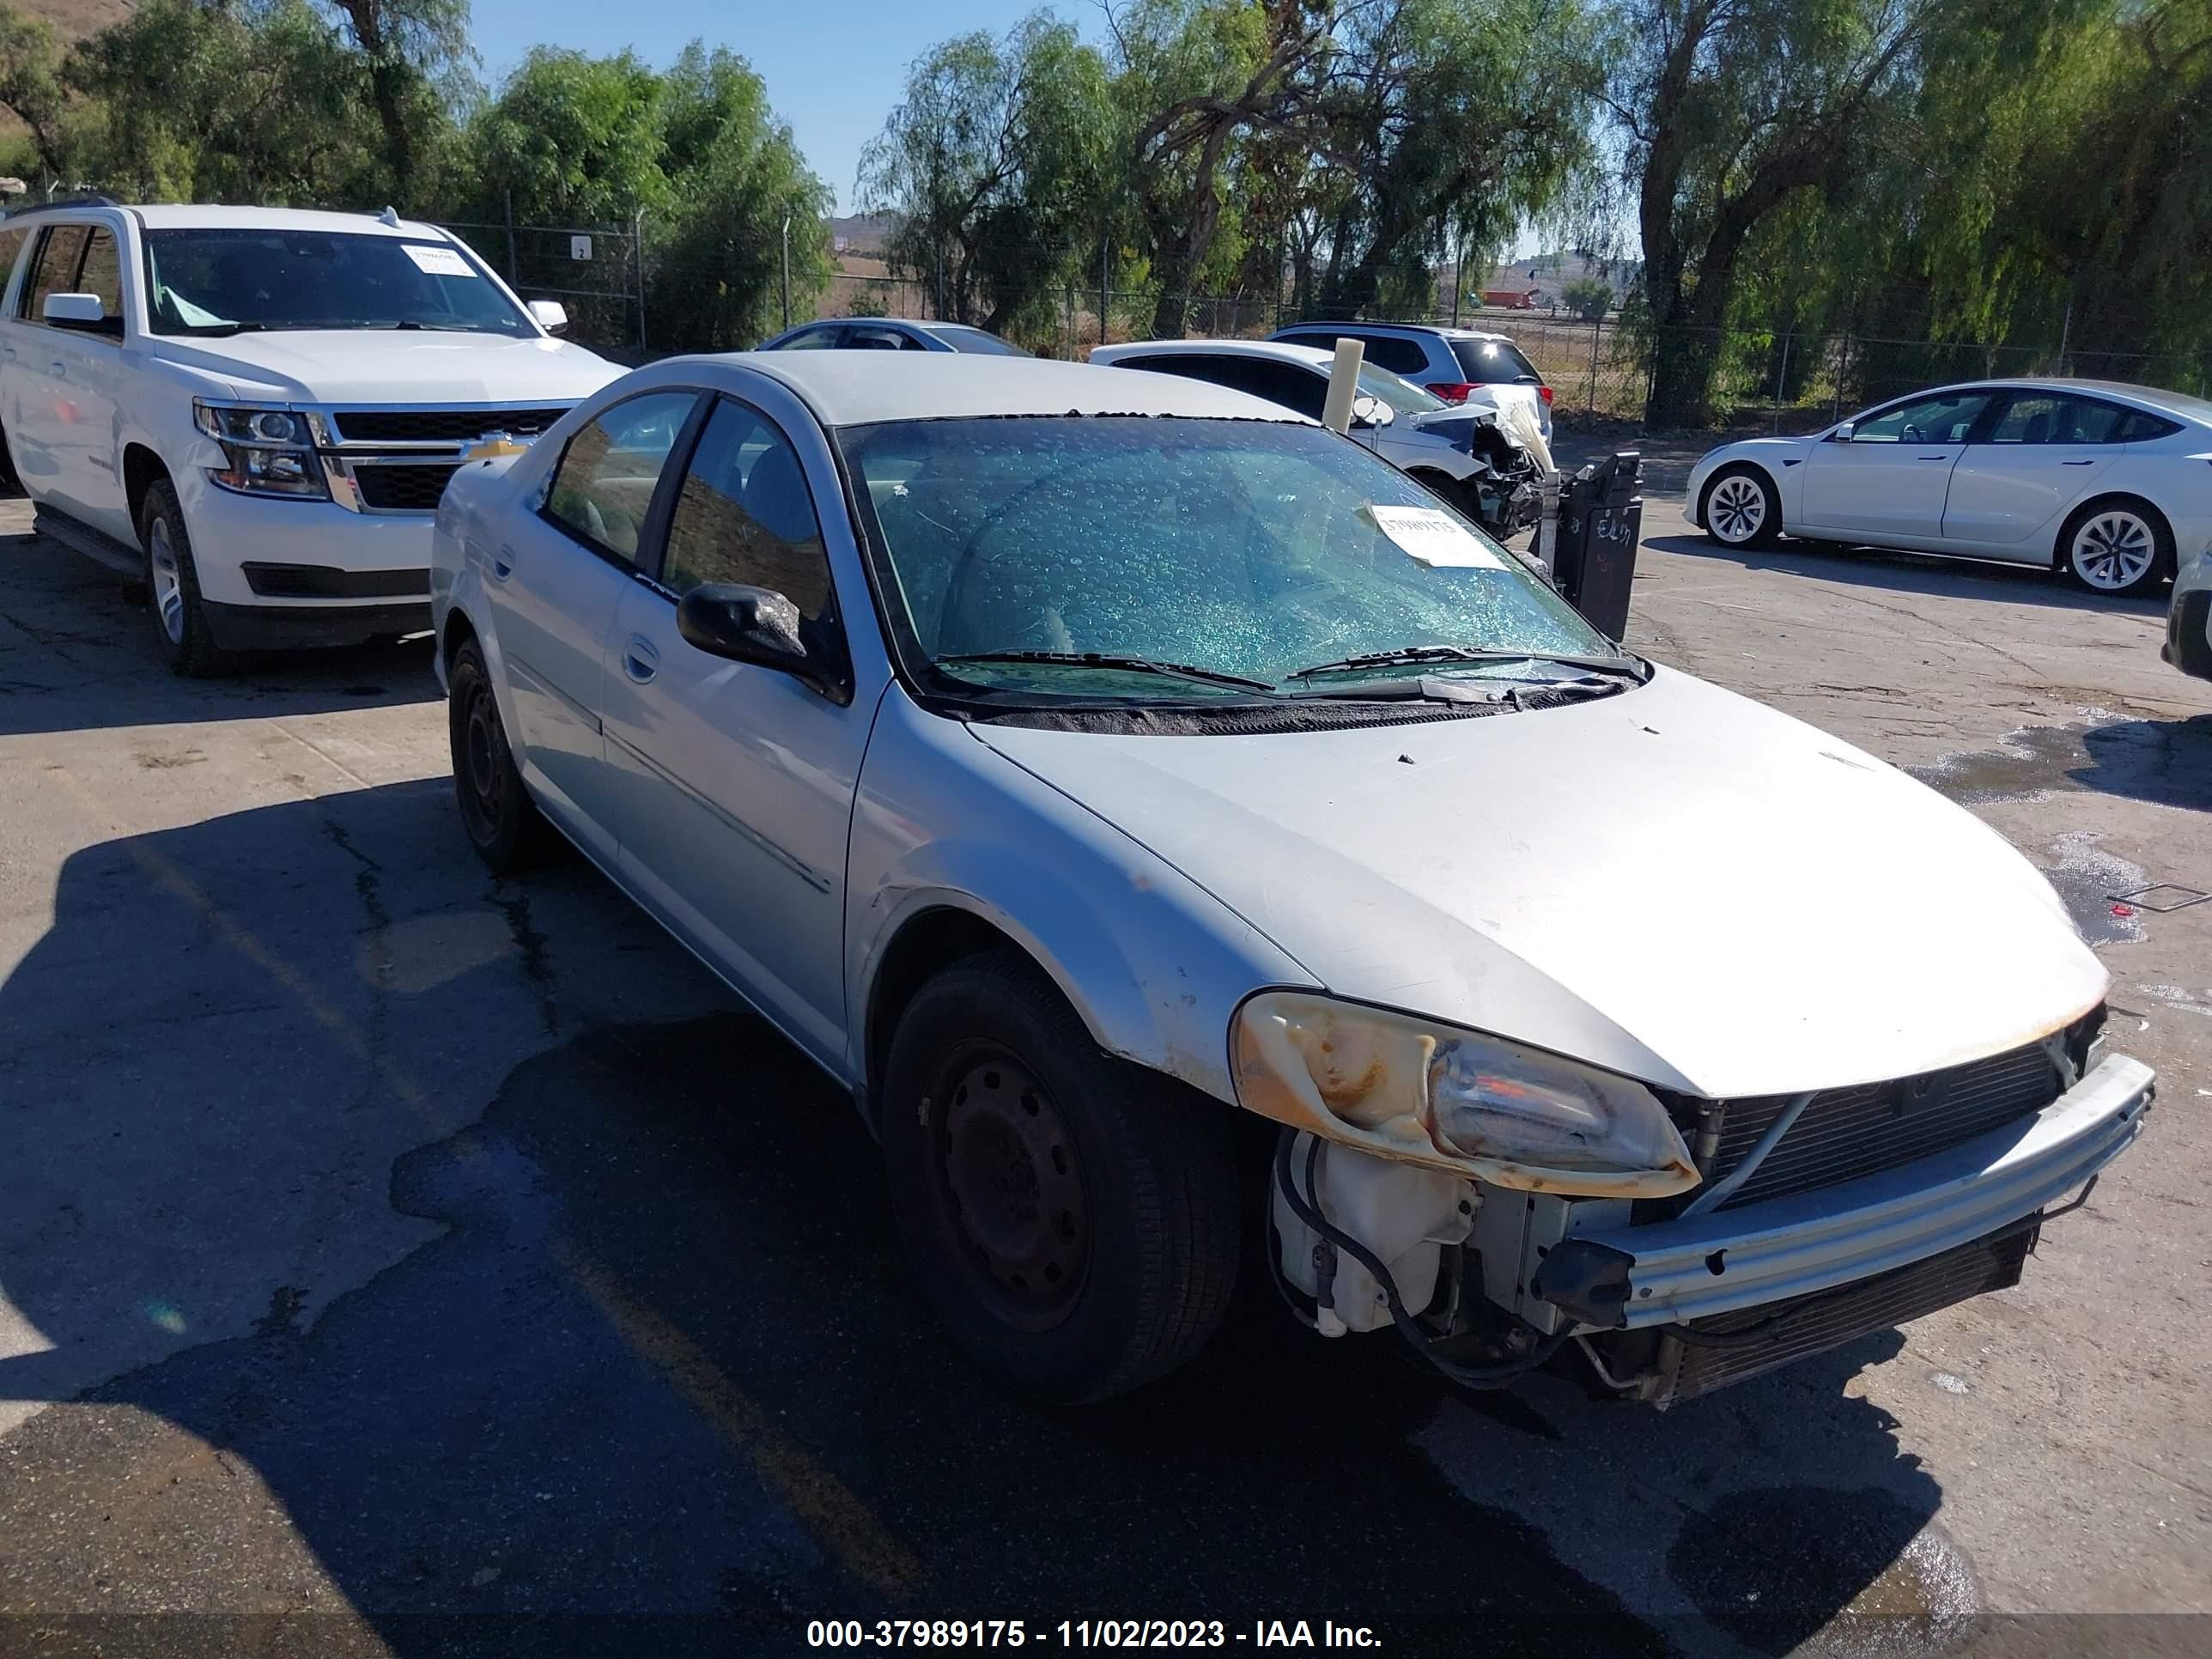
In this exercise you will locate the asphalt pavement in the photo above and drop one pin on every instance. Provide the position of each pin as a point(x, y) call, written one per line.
point(397, 1261)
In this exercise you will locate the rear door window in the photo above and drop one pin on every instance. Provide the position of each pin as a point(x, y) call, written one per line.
point(11, 249)
point(100, 274)
point(1395, 353)
point(2138, 427)
point(603, 488)
point(862, 336)
point(59, 250)
point(1284, 385)
point(1495, 362)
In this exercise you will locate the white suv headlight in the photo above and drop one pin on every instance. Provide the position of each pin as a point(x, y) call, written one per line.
point(1430, 1094)
point(271, 451)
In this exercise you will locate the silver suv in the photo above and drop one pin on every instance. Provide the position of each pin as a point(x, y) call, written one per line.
point(1459, 365)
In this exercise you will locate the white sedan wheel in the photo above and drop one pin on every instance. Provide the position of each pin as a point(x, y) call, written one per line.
point(2113, 550)
point(1736, 510)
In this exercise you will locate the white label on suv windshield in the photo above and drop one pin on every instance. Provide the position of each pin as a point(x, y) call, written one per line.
point(1434, 536)
point(438, 261)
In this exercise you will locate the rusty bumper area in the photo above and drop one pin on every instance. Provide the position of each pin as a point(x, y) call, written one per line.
point(1675, 1273)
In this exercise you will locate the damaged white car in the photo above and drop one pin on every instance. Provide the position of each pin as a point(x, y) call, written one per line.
point(1096, 772)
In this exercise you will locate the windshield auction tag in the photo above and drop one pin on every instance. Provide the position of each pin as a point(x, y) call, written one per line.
point(438, 261)
point(1435, 538)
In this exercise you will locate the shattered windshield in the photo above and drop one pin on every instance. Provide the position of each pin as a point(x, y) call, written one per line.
point(1243, 557)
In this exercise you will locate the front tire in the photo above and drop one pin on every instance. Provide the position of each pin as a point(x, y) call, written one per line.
point(1742, 507)
point(503, 823)
point(2119, 545)
point(173, 585)
point(1073, 1219)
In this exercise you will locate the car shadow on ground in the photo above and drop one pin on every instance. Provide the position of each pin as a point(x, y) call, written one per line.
point(78, 650)
point(1903, 572)
point(642, 1374)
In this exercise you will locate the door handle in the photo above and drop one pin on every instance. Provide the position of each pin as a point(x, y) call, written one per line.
point(640, 660)
point(2080, 463)
point(502, 563)
point(1935, 457)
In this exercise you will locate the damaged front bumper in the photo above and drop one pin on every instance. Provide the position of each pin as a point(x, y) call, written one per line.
point(1670, 1273)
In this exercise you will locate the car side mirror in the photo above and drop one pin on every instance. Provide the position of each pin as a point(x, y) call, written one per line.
point(74, 310)
point(550, 315)
point(756, 625)
point(1369, 410)
point(1842, 434)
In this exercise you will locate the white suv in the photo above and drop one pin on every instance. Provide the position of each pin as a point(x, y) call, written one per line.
point(256, 410)
point(1459, 365)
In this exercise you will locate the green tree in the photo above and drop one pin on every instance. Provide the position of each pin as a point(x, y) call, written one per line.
point(736, 178)
point(409, 47)
point(1457, 121)
point(995, 163)
point(1731, 108)
point(181, 101)
point(1589, 297)
point(1211, 73)
point(570, 137)
point(30, 80)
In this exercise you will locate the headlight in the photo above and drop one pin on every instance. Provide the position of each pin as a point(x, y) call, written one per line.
point(271, 451)
point(1433, 1095)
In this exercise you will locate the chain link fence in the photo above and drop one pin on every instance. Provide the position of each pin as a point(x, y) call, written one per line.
point(597, 272)
point(1598, 369)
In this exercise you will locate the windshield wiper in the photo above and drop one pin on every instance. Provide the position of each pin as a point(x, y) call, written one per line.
point(1425, 654)
point(224, 331)
point(1101, 660)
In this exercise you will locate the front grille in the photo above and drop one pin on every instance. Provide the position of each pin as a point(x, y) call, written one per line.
point(439, 425)
point(1827, 1319)
point(1844, 1134)
point(395, 489)
point(323, 581)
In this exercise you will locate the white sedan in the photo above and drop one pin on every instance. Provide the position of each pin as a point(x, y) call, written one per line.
point(2106, 483)
point(1101, 775)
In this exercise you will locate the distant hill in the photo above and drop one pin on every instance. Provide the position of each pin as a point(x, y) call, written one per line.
point(1551, 272)
point(75, 18)
point(859, 232)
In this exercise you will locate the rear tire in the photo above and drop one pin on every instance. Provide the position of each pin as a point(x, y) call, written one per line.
point(2119, 545)
point(1073, 1219)
point(1740, 508)
point(173, 588)
point(503, 823)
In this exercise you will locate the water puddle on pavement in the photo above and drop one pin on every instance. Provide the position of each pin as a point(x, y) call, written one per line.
point(2168, 762)
point(1898, 1585)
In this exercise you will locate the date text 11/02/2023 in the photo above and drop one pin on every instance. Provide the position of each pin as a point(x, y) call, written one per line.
point(1086, 1633)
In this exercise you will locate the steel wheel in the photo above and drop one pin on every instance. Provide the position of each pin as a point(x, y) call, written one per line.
point(483, 793)
point(166, 581)
point(1014, 1187)
point(503, 822)
point(2114, 550)
point(1740, 510)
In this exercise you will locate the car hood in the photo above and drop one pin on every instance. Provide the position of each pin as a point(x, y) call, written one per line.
point(385, 366)
point(1675, 883)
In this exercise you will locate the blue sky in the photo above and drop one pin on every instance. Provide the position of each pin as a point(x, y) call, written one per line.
point(833, 69)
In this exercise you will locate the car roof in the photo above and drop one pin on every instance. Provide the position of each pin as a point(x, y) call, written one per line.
point(173, 216)
point(854, 388)
point(1437, 331)
point(1278, 350)
point(2149, 397)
